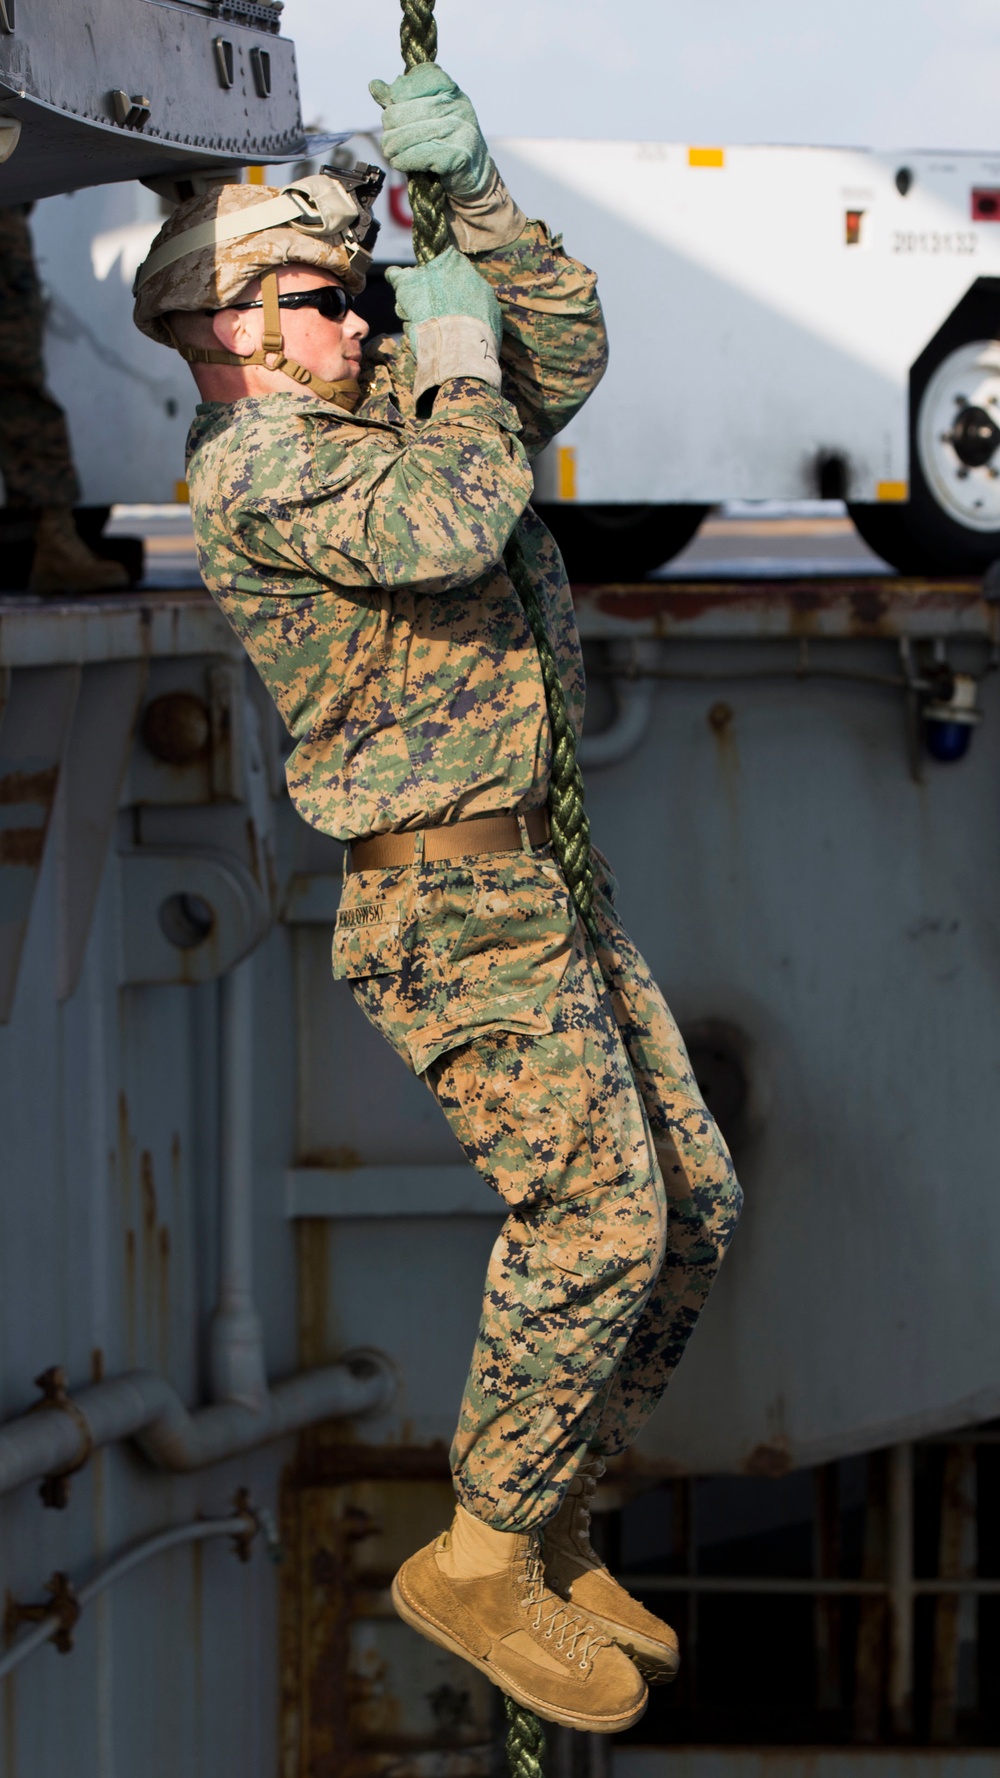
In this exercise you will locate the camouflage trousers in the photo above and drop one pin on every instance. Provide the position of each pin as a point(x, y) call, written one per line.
point(35, 456)
point(569, 1087)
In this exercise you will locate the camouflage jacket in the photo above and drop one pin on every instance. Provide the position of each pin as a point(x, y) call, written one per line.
point(359, 558)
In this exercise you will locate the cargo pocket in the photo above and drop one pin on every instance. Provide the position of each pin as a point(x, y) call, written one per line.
point(522, 1109)
point(512, 920)
point(496, 968)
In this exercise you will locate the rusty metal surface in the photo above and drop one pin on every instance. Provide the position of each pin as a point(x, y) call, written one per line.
point(334, 1463)
point(362, 1697)
point(838, 607)
point(129, 626)
point(180, 623)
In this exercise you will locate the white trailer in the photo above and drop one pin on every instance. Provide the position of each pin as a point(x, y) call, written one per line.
point(785, 322)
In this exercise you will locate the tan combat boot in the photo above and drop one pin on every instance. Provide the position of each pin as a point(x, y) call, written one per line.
point(62, 561)
point(577, 1574)
point(481, 1593)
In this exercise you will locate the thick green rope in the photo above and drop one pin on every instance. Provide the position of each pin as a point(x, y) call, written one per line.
point(570, 827)
point(418, 39)
point(525, 1742)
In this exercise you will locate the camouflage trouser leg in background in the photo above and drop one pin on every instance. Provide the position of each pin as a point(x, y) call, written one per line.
point(35, 456)
point(568, 1100)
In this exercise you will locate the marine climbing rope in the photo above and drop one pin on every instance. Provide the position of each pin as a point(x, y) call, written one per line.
point(525, 1742)
point(570, 826)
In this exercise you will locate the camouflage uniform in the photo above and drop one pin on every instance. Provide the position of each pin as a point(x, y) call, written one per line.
point(359, 557)
point(35, 455)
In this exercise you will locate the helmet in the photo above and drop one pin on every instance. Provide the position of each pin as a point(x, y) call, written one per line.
point(217, 241)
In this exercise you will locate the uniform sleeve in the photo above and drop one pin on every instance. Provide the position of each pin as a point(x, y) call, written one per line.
point(431, 505)
point(555, 347)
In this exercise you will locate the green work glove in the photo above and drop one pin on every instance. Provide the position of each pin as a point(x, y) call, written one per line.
point(429, 126)
point(446, 285)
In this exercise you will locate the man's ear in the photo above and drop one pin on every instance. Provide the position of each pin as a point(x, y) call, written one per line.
point(235, 330)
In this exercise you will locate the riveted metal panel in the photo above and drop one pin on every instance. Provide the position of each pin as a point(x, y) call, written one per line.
point(62, 67)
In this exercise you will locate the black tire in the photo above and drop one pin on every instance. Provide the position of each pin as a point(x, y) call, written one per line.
point(601, 543)
point(920, 536)
point(886, 530)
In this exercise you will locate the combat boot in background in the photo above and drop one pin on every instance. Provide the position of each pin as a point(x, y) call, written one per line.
point(574, 1570)
point(63, 563)
point(481, 1593)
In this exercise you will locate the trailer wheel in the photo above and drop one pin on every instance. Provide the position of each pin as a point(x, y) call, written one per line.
point(618, 542)
point(951, 522)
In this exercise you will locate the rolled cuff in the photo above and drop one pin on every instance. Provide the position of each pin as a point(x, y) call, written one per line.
point(454, 346)
point(491, 220)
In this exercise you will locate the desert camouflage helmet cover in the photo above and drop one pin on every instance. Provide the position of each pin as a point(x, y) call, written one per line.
point(213, 244)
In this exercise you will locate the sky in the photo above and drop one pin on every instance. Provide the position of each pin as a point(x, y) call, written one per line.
point(878, 73)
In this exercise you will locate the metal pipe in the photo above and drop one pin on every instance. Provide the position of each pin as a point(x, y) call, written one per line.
point(236, 1337)
point(144, 1406)
point(243, 1525)
point(627, 729)
point(900, 1587)
point(633, 691)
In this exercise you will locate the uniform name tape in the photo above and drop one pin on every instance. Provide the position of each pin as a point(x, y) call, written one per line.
point(370, 913)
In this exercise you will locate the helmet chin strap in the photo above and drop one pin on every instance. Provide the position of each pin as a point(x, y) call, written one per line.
point(344, 394)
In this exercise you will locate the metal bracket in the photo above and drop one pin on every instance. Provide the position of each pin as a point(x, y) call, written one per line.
point(131, 111)
point(260, 63)
point(63, 1603)
point(225, 61)
point(54, 1490)
point(243, 1540)
point(7, 16)
point(187, 916)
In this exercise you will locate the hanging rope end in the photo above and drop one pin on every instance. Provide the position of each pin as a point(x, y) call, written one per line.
point(525, 1742)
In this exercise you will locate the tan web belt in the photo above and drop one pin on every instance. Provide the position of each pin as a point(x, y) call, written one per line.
point(459, 839)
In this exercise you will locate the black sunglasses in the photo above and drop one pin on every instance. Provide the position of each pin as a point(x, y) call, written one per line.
point(331, 300)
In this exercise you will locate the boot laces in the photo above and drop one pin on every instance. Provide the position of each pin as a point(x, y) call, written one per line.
point(569, 1631)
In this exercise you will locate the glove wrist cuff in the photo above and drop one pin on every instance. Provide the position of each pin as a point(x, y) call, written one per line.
point(487, 221)
point(453, 346)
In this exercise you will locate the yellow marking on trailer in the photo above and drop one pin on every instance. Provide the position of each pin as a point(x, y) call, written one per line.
point(566, 471)
point(706, 157)
point(181, 494)
point(892, 491)
point(255, 176)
